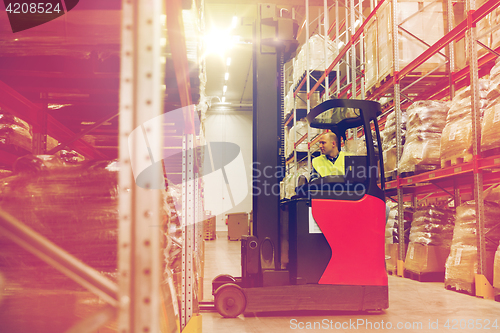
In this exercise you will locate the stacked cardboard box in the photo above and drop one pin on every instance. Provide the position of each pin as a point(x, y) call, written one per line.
point(430, 239)
point(461, 265)
point(389, 140)
point(426, 120)
point(420, 23)
point(456, 140)
point(490, 131)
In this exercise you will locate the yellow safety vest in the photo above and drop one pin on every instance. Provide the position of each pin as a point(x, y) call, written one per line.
point(325, 167)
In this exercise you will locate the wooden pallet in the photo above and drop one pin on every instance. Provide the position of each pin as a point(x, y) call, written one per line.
point(385, 78)
point(209, 235)
point(420, 168)
point(455, 160)
point(391, 175)
point(424, 276)
point(463, 287)
point(491, 152)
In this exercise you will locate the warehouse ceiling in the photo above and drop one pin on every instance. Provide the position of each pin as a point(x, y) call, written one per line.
point(71, 67)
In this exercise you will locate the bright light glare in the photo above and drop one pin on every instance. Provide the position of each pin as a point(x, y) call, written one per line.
point(224, 89)
point(228, 62)
point(223, 99)
point(234, 22)
point(356, 23)
point(218, 41)
point(226, 76)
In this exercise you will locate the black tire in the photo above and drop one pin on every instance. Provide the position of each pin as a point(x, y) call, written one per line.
point(230, 300)
point(224, 278)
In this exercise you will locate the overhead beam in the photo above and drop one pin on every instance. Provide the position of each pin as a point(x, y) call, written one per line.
point(21, 107)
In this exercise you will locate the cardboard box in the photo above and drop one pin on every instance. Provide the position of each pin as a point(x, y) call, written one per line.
point(423, 20)
point(391, 256)
point(461, 266)
point(209, 228)
point(371, 51)
point(426, 258)
point(237, 225)
point(496, 270)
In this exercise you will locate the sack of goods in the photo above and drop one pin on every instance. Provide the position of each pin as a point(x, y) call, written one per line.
point(426, 120)
point(461, 265)
point(14, 132)
point(392, 227)
point(432, 225)
point(388, 136)
point(456, 141)
point(74, 205)
point(490, 129)
point(496, 269)
point(430, 239)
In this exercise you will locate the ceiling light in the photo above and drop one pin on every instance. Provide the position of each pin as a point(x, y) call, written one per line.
point(163, 41)
point(228, 61)
point(226, 76)
point(218, 41)
point(224, 89)
point(223, 99)
point(234, 22)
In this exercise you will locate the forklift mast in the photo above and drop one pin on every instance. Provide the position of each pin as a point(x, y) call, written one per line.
point(274, 43)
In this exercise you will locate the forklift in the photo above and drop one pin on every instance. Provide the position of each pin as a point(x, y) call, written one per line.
point(323, 249)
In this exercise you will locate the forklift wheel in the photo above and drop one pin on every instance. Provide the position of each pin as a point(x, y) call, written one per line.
point(230, 300)
point(224, 278)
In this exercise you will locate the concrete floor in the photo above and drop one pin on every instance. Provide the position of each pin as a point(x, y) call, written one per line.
point(413, 306)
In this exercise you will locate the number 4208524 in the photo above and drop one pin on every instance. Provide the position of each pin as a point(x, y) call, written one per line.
point(32, 8)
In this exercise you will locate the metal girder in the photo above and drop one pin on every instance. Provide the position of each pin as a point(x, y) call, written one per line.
point(141, 100)
point(344, 50)
point(21, 107)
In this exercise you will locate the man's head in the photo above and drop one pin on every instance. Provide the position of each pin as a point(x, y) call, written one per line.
point(328, 144)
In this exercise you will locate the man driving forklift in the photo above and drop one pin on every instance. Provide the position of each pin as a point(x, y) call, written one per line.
point(331, 161)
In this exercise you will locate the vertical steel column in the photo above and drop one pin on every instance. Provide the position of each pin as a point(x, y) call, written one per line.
point(188, 225)
point(308, 85)
point(353, 50)
point(476, 138)
point(141, 100)
point(337, 39)
point(450, 47)
point(399, 148)
point(361, 54)
point(326, 24)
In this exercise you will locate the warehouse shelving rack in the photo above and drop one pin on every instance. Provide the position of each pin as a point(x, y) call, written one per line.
point(140, 300)
point(464, 179)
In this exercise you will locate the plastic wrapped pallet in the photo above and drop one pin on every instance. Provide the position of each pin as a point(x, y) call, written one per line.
point(371, 50)
point(75, 205)
point(389, 140)
point(496, 269)
point(432, 225)
point(490, 129)
point(290, 181)
point(456, 141)
point(494, 21)
point(14, 132)
point(461, 265)
point(317, 57)
point(425, 24)
point(426, 120)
